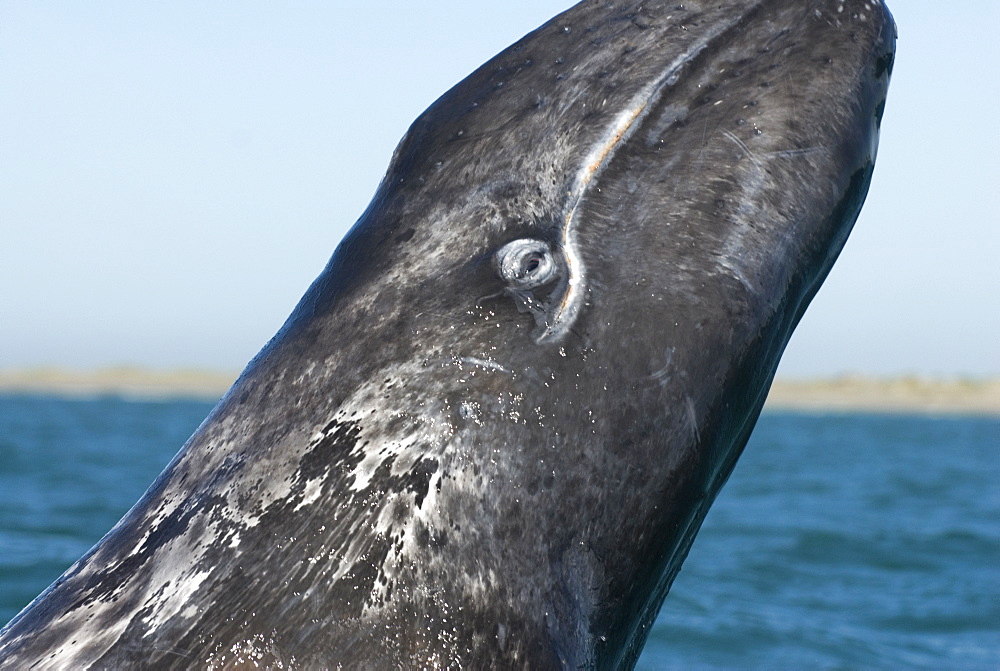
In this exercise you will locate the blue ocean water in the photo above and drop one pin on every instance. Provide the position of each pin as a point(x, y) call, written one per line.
point(841, 541)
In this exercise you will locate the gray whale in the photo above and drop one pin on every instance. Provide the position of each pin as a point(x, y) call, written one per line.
point(489, 432)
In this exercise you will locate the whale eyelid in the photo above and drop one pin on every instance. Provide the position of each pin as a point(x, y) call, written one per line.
point(526, 263)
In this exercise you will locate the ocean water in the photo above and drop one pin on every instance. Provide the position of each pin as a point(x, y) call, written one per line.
point(840, 542)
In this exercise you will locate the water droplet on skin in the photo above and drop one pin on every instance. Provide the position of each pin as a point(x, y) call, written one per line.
point(562, 351)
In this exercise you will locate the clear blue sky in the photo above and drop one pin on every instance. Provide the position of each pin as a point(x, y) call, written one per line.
point(174, 175)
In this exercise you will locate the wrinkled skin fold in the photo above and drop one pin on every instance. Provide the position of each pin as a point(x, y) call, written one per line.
point(487, 435)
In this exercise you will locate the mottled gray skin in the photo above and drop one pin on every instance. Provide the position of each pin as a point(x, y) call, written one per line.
point(430, 468)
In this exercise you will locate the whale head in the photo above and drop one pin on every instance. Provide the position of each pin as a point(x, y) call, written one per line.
point(490, 430)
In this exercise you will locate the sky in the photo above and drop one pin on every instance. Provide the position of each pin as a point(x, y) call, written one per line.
point(174, 175)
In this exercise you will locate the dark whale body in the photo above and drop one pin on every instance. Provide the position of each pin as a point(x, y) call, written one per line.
point(487, 435)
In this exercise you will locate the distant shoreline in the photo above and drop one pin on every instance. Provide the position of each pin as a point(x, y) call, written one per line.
point(855, 393)
point(127, 381)
point(909, 394)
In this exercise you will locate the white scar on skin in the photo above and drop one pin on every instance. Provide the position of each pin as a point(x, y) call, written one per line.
point(484, 363)
point(600, 155)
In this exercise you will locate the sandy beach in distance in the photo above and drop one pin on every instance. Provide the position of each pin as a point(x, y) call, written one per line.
point(857, 393)
point(127, 381)
point(854, 393)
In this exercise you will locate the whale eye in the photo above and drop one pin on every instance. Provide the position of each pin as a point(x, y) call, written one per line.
point(525, 264)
